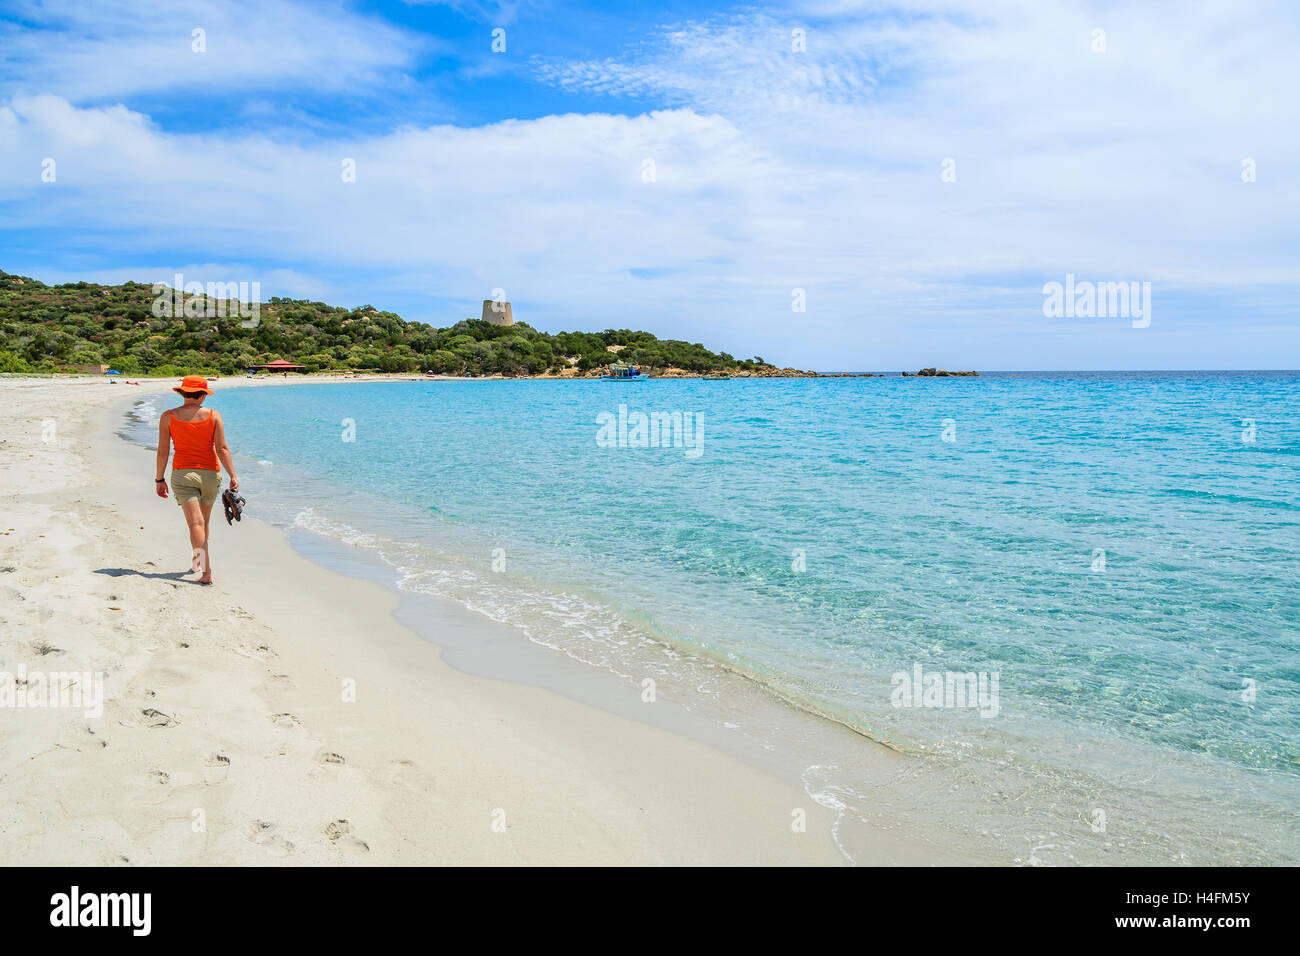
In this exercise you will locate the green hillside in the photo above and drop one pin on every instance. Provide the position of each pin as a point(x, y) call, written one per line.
point(48, 328)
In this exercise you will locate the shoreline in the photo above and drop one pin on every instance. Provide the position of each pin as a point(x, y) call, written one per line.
point(491, 680)
point(223, 705)
point(592, 375)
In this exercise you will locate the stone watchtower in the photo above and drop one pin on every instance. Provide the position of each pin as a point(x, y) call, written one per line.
point(498, 313)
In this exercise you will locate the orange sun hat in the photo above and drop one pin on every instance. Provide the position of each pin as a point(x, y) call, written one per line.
point(193, 383)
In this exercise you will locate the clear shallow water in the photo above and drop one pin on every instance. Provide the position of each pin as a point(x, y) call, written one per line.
point(1107, 544)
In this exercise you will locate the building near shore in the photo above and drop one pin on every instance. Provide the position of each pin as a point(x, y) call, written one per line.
point(279, 365)
point(498, 313)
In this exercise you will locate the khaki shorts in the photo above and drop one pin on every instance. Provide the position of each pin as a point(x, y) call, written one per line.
point(196, 484)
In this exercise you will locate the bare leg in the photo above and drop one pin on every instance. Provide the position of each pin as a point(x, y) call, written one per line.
point(207, 542)
point(198, 537)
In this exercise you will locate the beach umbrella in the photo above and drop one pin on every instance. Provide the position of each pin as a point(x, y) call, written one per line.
point(112, 372)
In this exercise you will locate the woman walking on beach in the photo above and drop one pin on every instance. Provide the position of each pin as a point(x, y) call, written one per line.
point(200, 439)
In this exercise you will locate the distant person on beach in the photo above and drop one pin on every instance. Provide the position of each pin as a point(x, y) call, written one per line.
point(200, 439)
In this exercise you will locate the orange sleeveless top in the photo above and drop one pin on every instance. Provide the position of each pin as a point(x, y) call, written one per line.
point(193, 442)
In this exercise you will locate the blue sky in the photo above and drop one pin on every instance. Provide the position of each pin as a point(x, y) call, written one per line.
point(777, 166)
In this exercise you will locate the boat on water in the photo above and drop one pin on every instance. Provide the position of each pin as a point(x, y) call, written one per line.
point(622, 372)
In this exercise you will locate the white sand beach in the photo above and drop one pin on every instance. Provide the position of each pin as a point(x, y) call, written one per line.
point(225, 737)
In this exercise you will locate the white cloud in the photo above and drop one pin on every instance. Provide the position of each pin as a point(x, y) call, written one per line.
point(1121, 165)
point(554, 209)
point(125, 47)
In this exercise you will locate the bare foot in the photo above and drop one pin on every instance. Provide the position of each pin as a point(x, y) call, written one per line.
point(206, 579)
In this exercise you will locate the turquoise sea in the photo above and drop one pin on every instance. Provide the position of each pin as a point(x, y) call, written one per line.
point(1113, 556)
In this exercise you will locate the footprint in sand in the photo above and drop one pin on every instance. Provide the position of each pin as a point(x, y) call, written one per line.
point(264, 834)
point(287, 721)
point(341, 835)
point(156, 718)
point(329, 756)
point(162, 777)
point(74, 738)
point(403, 773)
point(216, 766)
